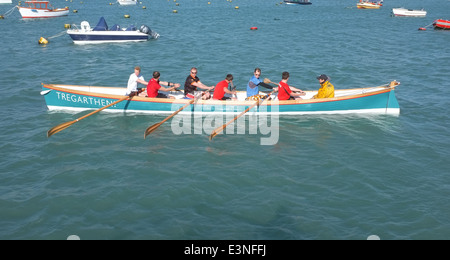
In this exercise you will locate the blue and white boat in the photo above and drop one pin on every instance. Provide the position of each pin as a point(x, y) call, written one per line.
point(378, 100)
point(297, 2)
point(102, 33)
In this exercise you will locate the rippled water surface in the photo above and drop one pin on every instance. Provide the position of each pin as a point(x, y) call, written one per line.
point(327, 177)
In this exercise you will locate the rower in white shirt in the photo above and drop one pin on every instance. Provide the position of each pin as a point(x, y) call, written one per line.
point(134, 79)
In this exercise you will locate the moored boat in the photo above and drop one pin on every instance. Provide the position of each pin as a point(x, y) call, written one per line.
point(441, 24)
point(379, 100)
point(5, 1)
point(408, 12)
point(127, 2)
point(101, 33)
point(369, 5)
point(41, 9)
point(297, 2)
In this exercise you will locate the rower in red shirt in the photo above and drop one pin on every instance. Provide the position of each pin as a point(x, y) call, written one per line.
point(154, 87)
point(285, 92)
point(222, 89)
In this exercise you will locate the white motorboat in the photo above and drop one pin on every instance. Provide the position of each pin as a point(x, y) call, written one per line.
point(41, 9)
point(5, 1)
point(409, 12)
point(127, 2)
point(102, 33)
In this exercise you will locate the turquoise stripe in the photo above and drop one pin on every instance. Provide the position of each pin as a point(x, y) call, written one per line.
point(69, 100)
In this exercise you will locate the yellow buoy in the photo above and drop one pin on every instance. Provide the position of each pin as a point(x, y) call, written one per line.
point(1, 17)
point(144, 7)
point(237, 7)
point(209, 3)
point(127, 16)
point(42, 40)
point(175, 11)
point(67, 26)
point(75, 11)
point(177, 4)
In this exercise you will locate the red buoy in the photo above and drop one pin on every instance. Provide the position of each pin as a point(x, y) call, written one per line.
point(253, 28)
point(422, 29)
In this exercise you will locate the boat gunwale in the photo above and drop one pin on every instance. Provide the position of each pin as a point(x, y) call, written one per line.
point(383, 89)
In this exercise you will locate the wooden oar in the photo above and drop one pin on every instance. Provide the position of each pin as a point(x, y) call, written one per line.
point(221, 128)
point(152, 128)
point(63, 126)
point(268, 81)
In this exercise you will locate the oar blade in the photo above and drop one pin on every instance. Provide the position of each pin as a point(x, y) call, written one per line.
point(213, 134)
point(150, 129)
point(59, 128)
point(218, 130)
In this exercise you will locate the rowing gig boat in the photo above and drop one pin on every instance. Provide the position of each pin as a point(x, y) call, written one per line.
point(379, 100)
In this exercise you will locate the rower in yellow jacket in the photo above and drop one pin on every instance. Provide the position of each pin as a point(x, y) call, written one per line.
point(326, 89)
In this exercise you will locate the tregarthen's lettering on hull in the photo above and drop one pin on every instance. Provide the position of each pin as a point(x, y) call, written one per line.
point(92, 101)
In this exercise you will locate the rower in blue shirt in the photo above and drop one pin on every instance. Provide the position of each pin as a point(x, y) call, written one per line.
point(252, 86)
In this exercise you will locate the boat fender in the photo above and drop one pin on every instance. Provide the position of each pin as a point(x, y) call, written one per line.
point(85, 26)
point(422, 29)
point(144, 29)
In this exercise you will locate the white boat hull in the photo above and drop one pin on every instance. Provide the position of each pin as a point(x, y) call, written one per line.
point(409, 12)
point(5, 1)
point(127, 2)
point(26, 12)
point(93, 37)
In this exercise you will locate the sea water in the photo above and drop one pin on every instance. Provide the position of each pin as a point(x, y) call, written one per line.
point(326, 177)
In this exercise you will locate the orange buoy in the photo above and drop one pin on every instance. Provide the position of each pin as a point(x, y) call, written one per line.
point(422, 29)
point(253, 28)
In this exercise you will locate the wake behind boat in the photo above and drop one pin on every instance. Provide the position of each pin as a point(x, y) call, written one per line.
point(102, 33)
point(378, 100)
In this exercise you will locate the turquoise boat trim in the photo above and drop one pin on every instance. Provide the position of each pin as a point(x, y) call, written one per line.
point(63, 97)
